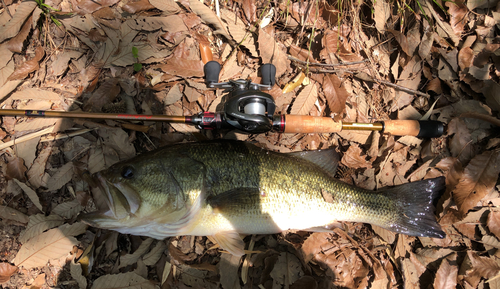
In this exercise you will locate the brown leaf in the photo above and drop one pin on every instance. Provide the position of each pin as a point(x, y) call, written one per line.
point(272, 52)
point(304, 102)
point(16, 44)
point(478, 180)
point(16, 169)
point(250, 10)
point(96, 36)
point(207, 15)
point(401, 38)
point(446, 276)
point(134, 7)
point(29, 66)
point(335, 93)
point(89, 6)
point(105, 94)
point(434, 85)
point(465, 58)
point(457, 12)
point(493, 223)
point(483, 266)
point(168, 6)
point(382, 13)
point(6, 270)
point(12, 27)
point(353, 159)
point(183, 67)
point(191, 94)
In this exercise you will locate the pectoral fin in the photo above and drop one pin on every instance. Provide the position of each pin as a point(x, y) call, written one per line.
point(231, 242)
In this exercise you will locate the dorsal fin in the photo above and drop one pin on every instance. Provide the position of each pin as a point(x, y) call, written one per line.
point(327, 159)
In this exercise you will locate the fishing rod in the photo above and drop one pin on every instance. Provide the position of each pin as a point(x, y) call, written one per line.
point(250, 109)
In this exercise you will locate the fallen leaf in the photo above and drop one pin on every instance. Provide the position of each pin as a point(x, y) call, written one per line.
point(238, 31)
point(6, 270)
point(401, 39)
point(76, 273)
point(63, 175)
point(493, 223)
point(68, 209)
point(335, 93)
point(30, 193)
point(446, 276)
point(13, 214)
point(228, 268)
point(483, 266)
point(16, 44)
point(105, 94)
point(52, 244)
point(272, 52)
point(38, 224)
point(138, 6)
point(457, 12)
point(29, 66)
point(382, 11)
point(88, 6)
point(479, 178)
point(250, 10)
point(123, 280)
point(130, 259)
point(352, 158)
point(11, 28)
point(183, 67)
point(304, 102)
point(15, 169)
point(155, 254)
point(167, 6)
point(208, 16)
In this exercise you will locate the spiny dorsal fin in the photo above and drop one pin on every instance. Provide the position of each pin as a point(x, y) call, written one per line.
point(327, 159)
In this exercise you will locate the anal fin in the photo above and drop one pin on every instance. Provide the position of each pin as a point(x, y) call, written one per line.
point(231, 242)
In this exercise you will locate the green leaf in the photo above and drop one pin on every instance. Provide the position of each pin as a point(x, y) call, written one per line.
point(137, 66)
point(135, 52)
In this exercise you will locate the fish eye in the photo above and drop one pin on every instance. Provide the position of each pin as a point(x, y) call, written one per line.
point(128, 172)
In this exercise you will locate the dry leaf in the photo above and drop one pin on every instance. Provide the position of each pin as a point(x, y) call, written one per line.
point(63, 175)
point(208, 16)
point(352, 158)
point(271, 52)
point(250, 10)
point(335, 93)
point(11, 28)
point(38, 224)
point(457, 12)
point(52, 244)
point(446, 276)
point(493, 223)
point(31, 194)
point(238, 30)
point(15, 169)
point(29, 66)
point(314, 245)
point(134, 7)
point(6, 270)
point(16, 44)
point(68, 210)
point(130, 259)
point(401, 38)
point(124, 280)
point(167, 6)
point(155, 254)
point(479, 178)
point(228, 268)
point(304, 102)
point(105, 94)
point(483, 266)
point(76, 273)
point(37, 170)
point(192, 94)
point(88, 6)
point(381, 14)
point(183, 67)
point(12, 214)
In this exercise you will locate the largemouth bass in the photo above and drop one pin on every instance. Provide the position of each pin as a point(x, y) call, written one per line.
point(224, 188)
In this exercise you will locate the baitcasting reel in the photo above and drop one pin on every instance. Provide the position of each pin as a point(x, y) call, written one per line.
point(247, 107)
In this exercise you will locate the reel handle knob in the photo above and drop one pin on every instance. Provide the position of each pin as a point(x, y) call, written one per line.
point(268, 72)
point(211, 70)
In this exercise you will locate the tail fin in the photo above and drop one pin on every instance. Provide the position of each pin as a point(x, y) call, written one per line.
point(415, 201)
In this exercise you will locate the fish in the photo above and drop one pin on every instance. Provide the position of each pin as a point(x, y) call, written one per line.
point(227, 188)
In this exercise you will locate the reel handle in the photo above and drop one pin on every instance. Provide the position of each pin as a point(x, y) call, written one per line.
point(268, 72)
point(212, 71)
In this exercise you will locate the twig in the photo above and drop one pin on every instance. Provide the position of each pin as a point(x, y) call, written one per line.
point(65, 135)
point(27, 137)
point(399, 87)
point(325, 64)
point(6, 8)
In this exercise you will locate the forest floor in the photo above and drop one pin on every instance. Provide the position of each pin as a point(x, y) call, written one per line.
point(354, 61)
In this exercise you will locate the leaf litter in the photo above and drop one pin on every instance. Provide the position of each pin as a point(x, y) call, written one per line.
point(87, 63)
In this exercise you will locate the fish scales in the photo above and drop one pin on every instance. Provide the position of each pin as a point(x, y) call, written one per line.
point(222, 188)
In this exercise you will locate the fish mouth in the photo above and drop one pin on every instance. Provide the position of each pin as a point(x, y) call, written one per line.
point(121, 200)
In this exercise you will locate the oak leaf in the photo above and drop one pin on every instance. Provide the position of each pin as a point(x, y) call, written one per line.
point(11, 28)
point(6, 270)
point(446, 276)
point(29, 66)
point(304, 102)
